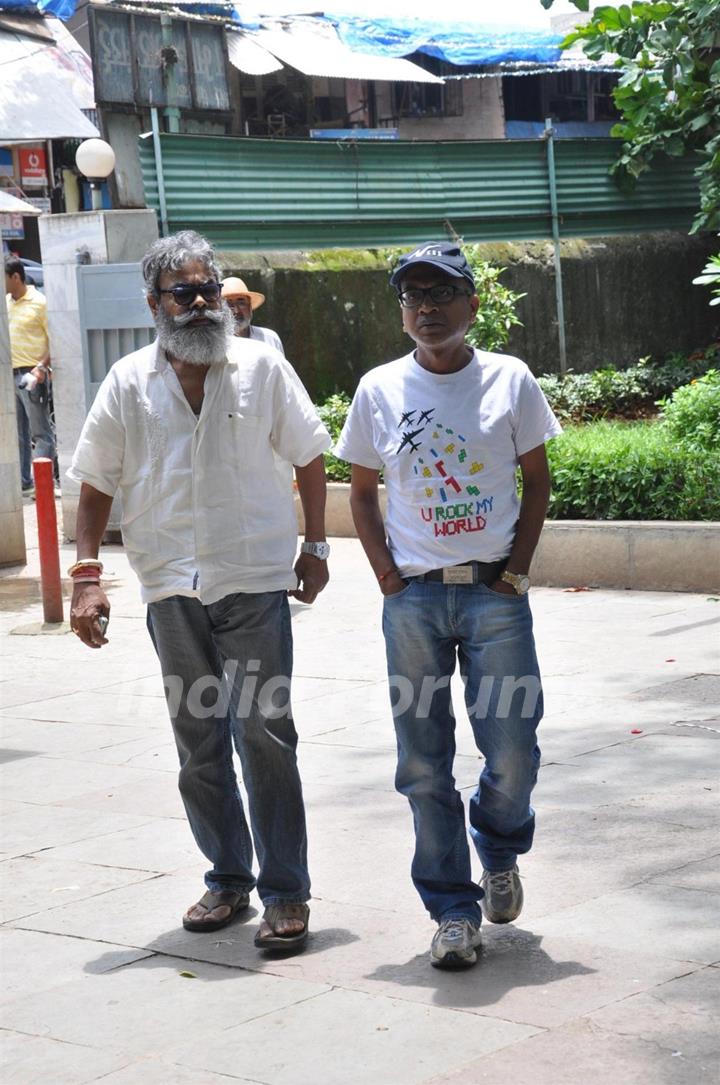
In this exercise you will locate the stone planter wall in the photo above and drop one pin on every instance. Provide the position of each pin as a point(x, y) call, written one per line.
point(652, 555)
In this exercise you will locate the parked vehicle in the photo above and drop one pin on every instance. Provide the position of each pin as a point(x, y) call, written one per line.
point(34, 273)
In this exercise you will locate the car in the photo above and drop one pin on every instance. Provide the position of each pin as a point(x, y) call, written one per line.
point(34, 273)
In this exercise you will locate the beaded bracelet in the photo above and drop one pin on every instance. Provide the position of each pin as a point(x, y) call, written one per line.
point(86, 563)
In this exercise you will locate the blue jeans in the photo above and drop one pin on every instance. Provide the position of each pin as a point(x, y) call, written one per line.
point(32, 410)
point(226, 669)
point(428, 627)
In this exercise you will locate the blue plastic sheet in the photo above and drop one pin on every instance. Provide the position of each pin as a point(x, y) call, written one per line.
point(462, 44)
point(63, 9)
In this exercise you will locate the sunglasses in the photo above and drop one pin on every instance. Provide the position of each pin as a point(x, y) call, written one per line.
point(185, 293)
point(440, 294)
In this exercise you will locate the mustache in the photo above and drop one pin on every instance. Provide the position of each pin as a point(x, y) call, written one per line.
point(215, 316)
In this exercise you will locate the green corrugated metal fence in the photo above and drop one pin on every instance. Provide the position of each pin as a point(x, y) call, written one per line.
point(300, 194)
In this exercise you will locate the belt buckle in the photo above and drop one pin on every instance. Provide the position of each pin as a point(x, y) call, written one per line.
point(458, 574)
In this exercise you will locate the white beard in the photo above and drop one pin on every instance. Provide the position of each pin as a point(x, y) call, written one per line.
point(196, 344)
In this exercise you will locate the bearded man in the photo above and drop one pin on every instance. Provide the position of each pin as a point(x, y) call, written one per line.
point(199, 432)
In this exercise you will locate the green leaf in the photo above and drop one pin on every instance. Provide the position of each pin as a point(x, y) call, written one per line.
point(699, 122)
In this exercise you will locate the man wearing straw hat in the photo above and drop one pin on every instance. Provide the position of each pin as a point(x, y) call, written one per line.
point(243, 303)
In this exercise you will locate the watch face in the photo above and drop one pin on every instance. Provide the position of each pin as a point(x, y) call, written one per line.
point(317, 549)
point(520, 583)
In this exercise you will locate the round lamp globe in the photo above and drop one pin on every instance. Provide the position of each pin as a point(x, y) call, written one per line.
point(95, 158)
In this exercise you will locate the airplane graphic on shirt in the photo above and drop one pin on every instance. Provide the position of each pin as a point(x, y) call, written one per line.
point(455, 505)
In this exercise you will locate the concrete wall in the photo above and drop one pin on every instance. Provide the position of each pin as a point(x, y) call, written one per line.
point(625, 297)
point(12, 531)
point(482, 117)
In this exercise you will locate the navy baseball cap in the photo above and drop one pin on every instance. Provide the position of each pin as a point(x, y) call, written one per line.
point(444, 255)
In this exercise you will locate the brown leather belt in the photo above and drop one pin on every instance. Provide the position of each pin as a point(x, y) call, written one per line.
point(471, 572)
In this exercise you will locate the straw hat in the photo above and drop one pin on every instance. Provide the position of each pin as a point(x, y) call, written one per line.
point(236, 288)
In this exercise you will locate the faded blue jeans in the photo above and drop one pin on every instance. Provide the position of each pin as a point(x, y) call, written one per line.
point(226, 669)
point(429, 627)
point(32, 411)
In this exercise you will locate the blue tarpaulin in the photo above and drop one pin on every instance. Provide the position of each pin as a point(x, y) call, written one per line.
point(461, 43)
point(63, 9)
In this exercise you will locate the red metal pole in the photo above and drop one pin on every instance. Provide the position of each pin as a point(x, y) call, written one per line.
point(48, 540)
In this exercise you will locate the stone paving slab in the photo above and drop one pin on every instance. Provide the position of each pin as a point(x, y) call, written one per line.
point(209, 1003)
point(387, 1041)
point(46, 879)
point(583, 1052)
point(681, 925)
point(606, 977)
point(35, 1060)
point(37, 827)
point(33, 961)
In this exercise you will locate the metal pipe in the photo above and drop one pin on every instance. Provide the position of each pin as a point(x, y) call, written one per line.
point(48, 540)
point(556, 243)
point(159, 171)
point(171, 111)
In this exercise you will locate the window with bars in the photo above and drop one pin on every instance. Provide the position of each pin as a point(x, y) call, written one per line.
point(429, 99)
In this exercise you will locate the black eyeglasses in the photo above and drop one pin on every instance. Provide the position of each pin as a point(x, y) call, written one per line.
point(185, 293)
point(440, 294)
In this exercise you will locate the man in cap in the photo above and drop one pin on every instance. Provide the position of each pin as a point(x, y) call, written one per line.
point(243, 303)
point(199, 436)
point(449, 426)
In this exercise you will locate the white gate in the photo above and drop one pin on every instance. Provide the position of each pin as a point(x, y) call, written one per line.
point(114, 318)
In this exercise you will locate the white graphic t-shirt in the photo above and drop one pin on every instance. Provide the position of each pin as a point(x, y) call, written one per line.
point(448, 445)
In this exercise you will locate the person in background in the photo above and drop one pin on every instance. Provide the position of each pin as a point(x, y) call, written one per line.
point(30, 356)
point(243, 303)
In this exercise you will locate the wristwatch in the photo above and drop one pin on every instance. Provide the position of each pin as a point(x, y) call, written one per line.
point(317, 549)
point(519, 581)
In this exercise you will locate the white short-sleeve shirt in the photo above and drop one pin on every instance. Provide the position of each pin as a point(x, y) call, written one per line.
point(207, 502)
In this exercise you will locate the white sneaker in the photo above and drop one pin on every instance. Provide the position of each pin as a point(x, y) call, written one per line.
point(455, 943)
point(503, 898)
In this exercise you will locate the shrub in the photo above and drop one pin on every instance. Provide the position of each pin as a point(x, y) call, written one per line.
point(333, 413)
point(631, 471)
point(496, 314)
point(625, 393)
point(710, 276)
point(692, 413)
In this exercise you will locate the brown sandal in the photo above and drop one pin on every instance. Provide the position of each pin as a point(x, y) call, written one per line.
point(274, 914)
point(236, 902)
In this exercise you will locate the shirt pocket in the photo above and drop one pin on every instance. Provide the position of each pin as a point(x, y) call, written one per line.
point(244, 439)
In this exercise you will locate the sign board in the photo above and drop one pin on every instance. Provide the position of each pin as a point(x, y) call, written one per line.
point(6, 162)
point(354, 133)
point(128, 62)
point(12, 226)
point(33, 167)
point(41, 202)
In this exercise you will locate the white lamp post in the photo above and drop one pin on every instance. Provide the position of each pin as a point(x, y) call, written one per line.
point(96, 160)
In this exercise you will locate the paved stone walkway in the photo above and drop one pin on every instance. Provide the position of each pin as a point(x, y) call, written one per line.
point(608, 976)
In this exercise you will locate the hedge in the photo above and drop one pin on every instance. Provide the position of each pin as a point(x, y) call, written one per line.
point(631, 471)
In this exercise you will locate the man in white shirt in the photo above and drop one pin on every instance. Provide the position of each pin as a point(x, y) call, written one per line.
point(243, 303)
point(449, 426)
point(199, 433)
